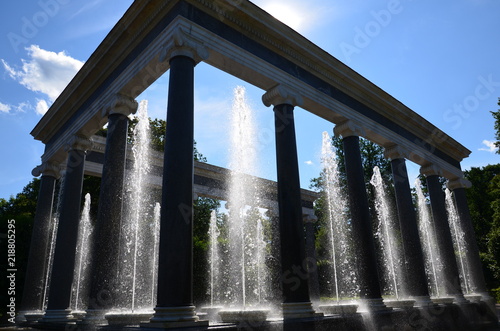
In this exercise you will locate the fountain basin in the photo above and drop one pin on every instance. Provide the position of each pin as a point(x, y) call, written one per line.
point(341, 309)
point(79, 314)
point(242, 316)
point(473, 297)
point(212, 312)
point(33, 317)
point(128, 318)
point(399, 303)
point(444, 301)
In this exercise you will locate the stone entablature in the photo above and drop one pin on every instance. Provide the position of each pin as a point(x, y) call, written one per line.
point(129, 60)
point(209, 180)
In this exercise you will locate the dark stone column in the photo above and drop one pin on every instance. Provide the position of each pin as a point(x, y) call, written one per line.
point(296, 302)
point(475, 268)
point(36, 271)
point(370, 291)
point(175, 270)
point(415, 278)
point(442, 230)
point(312, 265)
point(106, 246)
point(63, 266)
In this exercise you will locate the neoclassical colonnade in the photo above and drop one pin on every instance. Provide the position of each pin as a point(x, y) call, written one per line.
point(243, 40)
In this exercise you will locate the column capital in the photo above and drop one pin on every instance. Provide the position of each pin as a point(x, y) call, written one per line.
point(460, 182)
point(395, 152)
point(47, 169)
point(431, 170)
point(120, 104)
point(348, 128)
point(184, 44)
point(282, 94)
point(79, 142)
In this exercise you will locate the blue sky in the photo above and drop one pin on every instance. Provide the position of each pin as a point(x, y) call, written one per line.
point(440, 58)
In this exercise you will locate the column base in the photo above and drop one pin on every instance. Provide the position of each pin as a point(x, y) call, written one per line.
point(460, 299)
point(372, 305)
point(93, 317)
point(30, 316)
point(58, 316)
point(422, 301)
point(298, 310)
point(174, 317)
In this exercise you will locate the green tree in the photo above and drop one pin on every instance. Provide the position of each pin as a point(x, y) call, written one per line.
point(483, 199)
point(496, 116)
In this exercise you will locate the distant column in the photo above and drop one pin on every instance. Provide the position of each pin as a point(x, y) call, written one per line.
point(370, 291)
point(105, 250)
point(444, 240)
point(458, 186)
point(63, 265)
point(175, 272)
point(296, 301)
point(36, 271)
point(415, 278)
point(309, 221)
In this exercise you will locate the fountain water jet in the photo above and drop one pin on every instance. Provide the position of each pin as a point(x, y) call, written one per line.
point(244, 255)
point(338, 232)
point(139, 237)
point(426, 230)
point(459, 243)
point(81, 276)
point(387, 236)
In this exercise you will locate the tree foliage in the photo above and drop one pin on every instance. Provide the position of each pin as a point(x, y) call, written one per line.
point(496, 116)
point(484, 205)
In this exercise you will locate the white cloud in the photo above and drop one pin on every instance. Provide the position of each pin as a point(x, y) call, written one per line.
point(4, 108)
point(45, 71)
point(41, 107)
point(309, 162)
point(490, 146)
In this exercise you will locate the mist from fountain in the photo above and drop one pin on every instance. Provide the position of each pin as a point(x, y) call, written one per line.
point(247, 280)
point(387, 237)
point(52, 240)
point(433, 262)
point(214, 260)
point(138, 238)
point(343, 275)
point(459, 243)
point(81, 275)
